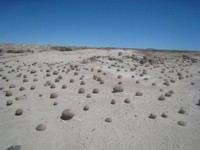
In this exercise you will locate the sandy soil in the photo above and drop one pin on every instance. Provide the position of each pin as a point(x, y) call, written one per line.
point(131, 126)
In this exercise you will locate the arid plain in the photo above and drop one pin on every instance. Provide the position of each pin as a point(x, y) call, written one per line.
point(99, 99)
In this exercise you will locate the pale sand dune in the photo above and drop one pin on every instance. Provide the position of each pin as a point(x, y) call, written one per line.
point(130, 126)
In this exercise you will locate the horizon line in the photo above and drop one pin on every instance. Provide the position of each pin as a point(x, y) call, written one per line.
point(98, 47)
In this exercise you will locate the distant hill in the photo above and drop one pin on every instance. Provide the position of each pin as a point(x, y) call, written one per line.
point(13, 48)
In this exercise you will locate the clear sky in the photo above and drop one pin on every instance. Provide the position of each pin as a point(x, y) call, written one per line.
point(165, 24)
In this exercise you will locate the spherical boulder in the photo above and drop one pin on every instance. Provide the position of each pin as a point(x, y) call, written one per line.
point(138, 93)
point(127, 100)
point(164, 115)
point(41, 127)
point(19, 112)
point(113, 101)
point(14, 147)
point(95, 90)
point(118, 88)
point(67, 114)
point(182, 123)
point(8, 93)
point(182, 110)
point(12, 86)
point(64, 86)
point(9, 102)
point(81, 90)
point(86, 107)
point(161, 98)
point(53, 95)
point(152, 116)
point(108, 120)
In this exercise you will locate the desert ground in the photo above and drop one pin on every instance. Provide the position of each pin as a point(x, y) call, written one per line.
point(100, 99)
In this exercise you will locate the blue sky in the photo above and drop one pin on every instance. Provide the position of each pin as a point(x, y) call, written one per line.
point(165, 24)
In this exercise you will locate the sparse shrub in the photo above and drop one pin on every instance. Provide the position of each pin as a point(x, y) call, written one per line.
point(63, 49)
point(17, 51)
